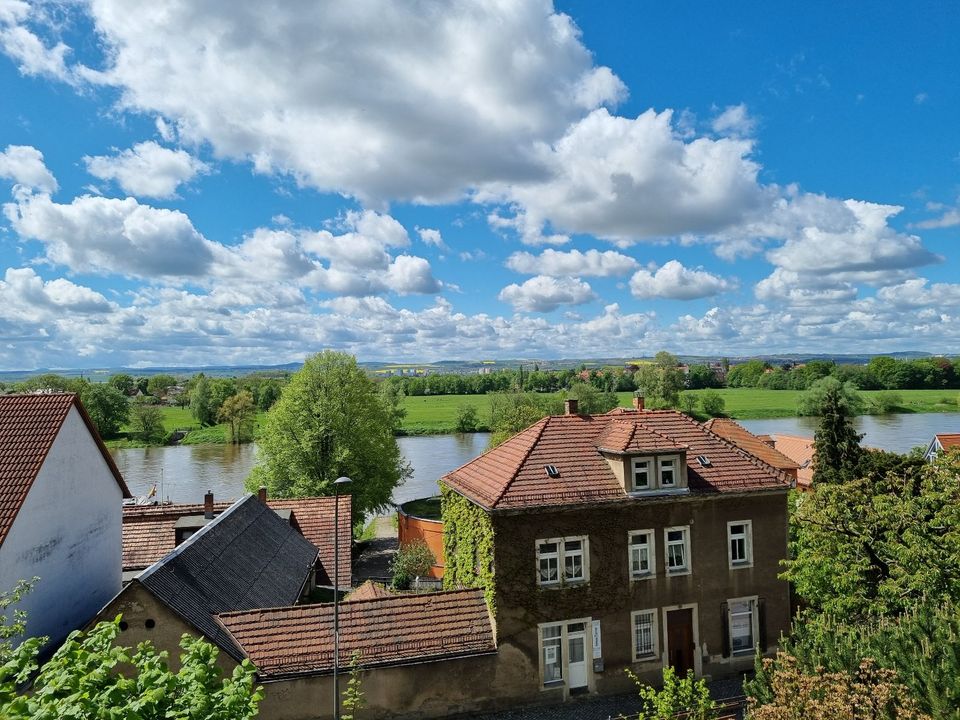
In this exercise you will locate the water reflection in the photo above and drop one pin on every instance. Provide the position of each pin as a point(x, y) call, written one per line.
point(188, 471)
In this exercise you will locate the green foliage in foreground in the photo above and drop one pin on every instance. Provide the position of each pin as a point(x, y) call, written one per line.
point(922, 646)
point(684, 697)
point(411, 561)
point(91, 677)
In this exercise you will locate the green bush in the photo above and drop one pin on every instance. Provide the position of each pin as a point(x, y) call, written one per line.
point(411, 561)
point(713, 403)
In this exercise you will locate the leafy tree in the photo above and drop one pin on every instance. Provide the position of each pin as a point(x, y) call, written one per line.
point(921, 645)
point(689, 403)
point(868, 693)
point(702, 376)
point(661, 381)
point(123, 382)
point(684, 697)
point(201, 402)
point(392, 396)
point(330, 421)
point(589, 399)
point(146, 421)
point(877, 545)
point(220, 390)
point(13, 624)
point(51, 381)
point(238, 412)
point(713, 403)
point(511, 412)
point(836, 444)
point(411, 561)
point(747, 374)
point(158, 385)
point(885, 402)
point(468, 419)
point(90, 676)
point(107, 407)
point(269, 394)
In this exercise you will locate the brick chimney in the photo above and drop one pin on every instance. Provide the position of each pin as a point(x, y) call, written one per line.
point(208, 505)
point(638, 402)
point(570, 406)
point(262, 494)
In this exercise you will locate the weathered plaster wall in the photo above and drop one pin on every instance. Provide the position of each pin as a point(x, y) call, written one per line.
point(610, 595)
point(68, 533)
point(140, 609)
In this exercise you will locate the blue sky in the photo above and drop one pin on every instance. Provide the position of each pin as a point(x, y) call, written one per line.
point(222, 183)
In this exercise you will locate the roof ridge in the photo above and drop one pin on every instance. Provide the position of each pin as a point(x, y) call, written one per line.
point(543, 422)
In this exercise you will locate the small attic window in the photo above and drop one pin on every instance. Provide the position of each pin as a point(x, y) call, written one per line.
point(704, 461)
point(552, 471)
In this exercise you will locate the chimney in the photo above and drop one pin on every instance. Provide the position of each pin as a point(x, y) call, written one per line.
point(570, 406)
point(638, 402)
point(262, 494)
point(208, 505)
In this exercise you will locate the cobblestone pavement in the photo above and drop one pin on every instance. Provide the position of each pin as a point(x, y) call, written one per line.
point(594, 707)
point(374, 556)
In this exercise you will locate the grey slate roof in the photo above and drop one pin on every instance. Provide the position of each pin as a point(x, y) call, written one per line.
point(247, 557)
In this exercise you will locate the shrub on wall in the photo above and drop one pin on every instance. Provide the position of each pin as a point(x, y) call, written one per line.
point(467, 544)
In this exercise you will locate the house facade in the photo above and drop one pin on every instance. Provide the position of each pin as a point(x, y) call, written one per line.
point(60, 512)
point(633, 540)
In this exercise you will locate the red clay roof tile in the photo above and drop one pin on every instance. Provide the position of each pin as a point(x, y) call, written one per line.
point(512, 475)
point(390, 630)
point(743, 438)
point(148, 530)
point(949, 440)
point(29, 424)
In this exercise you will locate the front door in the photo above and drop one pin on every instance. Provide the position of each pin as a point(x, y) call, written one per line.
point(680, 640)
point(577, 656)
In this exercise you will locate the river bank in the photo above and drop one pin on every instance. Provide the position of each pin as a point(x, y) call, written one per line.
point(437, 414)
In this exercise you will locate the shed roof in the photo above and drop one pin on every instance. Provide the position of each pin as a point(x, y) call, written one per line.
point(800, 450)
point(948, 440)
point(512, 476)
point(247, 557)
point(29, 424)
point(394, 630)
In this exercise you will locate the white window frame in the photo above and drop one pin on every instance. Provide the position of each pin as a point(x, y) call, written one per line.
point(674, 468)
point(654, 654)
point(688, 565)
point(561, 555)
point(564, 650)
point(747, 561)
point(651, 554)
point(647, 464)
point(753, 601)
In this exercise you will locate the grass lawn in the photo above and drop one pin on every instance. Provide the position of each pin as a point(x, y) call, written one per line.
point(438, 413)
point(175, 418)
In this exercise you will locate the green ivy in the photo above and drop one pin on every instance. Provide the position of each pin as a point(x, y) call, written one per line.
point(467, 545)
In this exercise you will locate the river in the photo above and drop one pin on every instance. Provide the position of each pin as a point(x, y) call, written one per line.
point(186, 472)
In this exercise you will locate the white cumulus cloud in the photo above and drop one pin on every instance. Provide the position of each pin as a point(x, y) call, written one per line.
point(545, 294)
point(555, 263)
point(147, 169)
point(24, 165)
point(674, 281)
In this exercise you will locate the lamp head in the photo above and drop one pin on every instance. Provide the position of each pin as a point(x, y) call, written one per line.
point(344, 480)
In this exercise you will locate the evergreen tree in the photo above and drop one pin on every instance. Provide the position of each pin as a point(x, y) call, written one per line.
point(836, 444)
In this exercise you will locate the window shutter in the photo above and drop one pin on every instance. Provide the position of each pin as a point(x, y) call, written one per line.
point(725, 625)
point(762, 624)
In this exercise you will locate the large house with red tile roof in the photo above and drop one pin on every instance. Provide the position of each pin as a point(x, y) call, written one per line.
point(60, 511)
point(630, 540)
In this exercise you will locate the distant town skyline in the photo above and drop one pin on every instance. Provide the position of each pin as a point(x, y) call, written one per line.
point(200, 184)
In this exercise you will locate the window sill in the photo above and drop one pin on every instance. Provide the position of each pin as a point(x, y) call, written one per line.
point(644, 659)
point(749, 652)
point(658, 492)
point(741, 565)
point(563, 585)
point(679, 573)
point(552, 684)
point(640, 578)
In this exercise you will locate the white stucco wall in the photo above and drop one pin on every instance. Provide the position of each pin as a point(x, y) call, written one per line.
point(69, 533)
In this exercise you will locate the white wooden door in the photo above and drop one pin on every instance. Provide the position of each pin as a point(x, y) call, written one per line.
point(576, 656)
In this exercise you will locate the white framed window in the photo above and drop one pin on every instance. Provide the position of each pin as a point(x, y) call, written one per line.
point(562, 561)
point(646, 641)
point(551, 653)
point(677, 550)
point(742, 622)
point(668, 473)
point(641, 472)
point(642, 554)
point(740, 543)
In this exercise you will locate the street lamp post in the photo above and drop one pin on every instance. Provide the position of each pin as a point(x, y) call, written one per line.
point(336, 593)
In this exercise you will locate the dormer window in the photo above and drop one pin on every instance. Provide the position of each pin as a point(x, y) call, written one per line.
point(641, 473)
point(668, 470)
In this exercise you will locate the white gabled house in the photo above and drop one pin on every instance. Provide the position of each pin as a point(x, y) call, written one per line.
point(61, 512)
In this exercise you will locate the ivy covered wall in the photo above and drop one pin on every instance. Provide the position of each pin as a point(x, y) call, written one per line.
point(467, 544)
